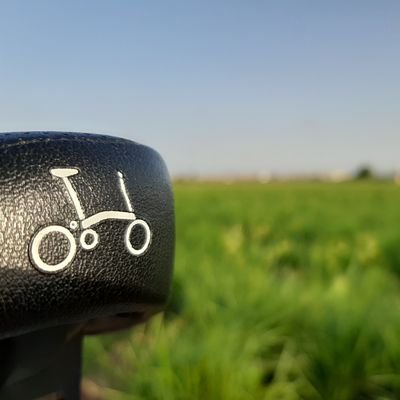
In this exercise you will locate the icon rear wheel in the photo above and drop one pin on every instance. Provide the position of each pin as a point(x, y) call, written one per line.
point(37, 241)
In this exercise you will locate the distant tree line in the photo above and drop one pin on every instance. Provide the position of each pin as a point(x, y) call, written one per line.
point(364, 172)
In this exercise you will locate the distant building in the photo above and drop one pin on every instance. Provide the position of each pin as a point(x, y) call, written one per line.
point(339, 176)
point(397, 178)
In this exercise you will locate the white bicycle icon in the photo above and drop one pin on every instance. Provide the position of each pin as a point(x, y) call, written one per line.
point(89, 238)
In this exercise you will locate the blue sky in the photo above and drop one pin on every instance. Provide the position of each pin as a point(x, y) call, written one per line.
point(216, 86)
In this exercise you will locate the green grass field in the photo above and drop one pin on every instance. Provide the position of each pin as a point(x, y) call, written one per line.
point(281, 291)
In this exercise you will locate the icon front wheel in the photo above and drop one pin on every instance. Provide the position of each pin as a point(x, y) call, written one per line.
point(147, 237)
point(37, 241)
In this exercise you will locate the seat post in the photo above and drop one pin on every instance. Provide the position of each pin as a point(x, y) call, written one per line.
point(42, 363)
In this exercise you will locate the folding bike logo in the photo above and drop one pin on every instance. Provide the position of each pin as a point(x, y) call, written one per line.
point(89, 238)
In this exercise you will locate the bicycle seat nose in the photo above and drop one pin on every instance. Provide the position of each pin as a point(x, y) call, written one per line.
point(86, 232)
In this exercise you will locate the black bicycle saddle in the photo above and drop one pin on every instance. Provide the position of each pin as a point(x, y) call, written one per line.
point(86, 232)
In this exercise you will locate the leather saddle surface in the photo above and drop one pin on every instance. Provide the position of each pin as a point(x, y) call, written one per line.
point(86, 231)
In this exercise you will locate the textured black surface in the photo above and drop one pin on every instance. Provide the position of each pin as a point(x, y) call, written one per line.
point(97, 284)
